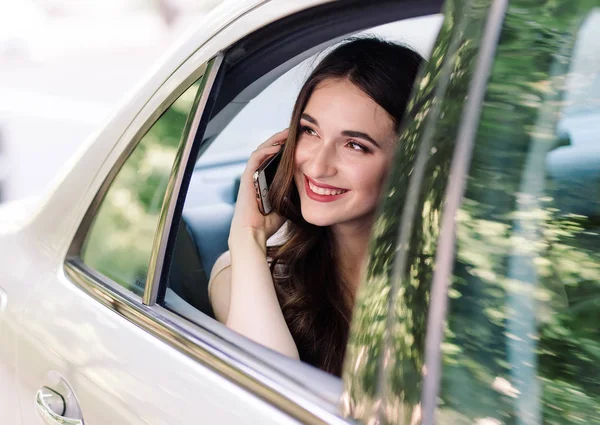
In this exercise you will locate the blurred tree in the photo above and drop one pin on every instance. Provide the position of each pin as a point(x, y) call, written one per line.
point(513, 352)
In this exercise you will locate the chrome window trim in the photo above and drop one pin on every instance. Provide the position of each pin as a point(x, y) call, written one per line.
point(205, 347)
point(99, 287)
point(454, 192)
point(161, 236)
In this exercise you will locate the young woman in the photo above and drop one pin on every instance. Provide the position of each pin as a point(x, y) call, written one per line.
point(296, 297)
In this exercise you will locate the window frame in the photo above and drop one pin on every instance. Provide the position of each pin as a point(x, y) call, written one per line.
point(203, 344)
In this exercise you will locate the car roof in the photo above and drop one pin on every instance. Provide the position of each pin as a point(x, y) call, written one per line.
point(226, 13)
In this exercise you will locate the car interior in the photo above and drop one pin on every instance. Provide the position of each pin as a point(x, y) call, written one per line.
point(252, 98)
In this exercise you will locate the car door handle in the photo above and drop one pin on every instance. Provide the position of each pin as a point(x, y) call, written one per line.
point(51, 406)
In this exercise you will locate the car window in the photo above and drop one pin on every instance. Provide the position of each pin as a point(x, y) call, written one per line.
point(210, 200)
point(270, 111)
point(583, 85)
point(522, 342)
point(120, 239)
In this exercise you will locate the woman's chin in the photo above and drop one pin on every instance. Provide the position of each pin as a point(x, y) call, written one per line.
point(319, 222)
point(317, 218)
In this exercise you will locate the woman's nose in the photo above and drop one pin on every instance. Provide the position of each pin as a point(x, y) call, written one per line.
point(322, 161)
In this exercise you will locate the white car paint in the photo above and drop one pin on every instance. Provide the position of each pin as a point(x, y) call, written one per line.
point(50, 329)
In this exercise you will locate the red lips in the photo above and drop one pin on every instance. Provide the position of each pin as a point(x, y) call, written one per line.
point(321, 198)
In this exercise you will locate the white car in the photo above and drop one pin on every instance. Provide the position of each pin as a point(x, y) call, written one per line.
point(482, 299)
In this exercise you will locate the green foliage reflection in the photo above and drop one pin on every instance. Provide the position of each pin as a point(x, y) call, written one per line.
point(120, 240)
point(385, 357)
point(522, 342)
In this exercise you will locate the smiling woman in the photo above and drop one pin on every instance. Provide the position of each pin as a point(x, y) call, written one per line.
point(337, 160)
point(296, 296)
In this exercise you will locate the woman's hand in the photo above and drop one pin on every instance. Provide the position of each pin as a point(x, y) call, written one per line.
point(247, 218)
point(247, 293)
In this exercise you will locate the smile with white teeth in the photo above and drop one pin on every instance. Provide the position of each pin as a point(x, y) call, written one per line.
point(323, 191)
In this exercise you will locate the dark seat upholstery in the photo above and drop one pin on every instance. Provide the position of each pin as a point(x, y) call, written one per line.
point(201, 239)
point(187, 276)
point(209, 227)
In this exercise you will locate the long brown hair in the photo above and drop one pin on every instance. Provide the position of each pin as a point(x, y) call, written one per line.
point(315, 300)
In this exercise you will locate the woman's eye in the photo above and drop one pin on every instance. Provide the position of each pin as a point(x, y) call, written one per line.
point(308, 131)
point(357, 147)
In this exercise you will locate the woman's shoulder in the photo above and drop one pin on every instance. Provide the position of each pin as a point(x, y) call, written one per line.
point(219, 286)
point(219, 283)
point(223, 262)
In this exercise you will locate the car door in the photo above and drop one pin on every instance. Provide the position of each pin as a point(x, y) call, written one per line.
point(100, 339)
point(481, 303)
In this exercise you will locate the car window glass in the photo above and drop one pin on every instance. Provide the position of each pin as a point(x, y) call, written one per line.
point(583, 84)
point(385, 360)
point(121, 236)
point(522, 342)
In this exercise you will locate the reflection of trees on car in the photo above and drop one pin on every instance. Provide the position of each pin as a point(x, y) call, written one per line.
point(514, 351)
point(400, 270)
point(133, 203)
point(522, 338)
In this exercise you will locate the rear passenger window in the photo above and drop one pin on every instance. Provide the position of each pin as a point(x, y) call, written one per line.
point(121, 236)
point(258, 112)
point(522, 342)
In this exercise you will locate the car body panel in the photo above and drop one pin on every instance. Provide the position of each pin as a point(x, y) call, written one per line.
point(119, 372)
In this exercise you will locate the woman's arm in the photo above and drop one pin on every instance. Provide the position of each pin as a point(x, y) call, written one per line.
point(248, 303)
point(219, 287)
point(252, 307)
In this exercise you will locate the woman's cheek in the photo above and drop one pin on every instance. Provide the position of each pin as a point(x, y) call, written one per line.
point(374, 176)
point(301, 152)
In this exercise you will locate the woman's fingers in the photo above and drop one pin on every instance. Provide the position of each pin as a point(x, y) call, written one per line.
point(278, 138)
point(258, 157)
point(261, 154)
point(271, 146)
point(264, 151)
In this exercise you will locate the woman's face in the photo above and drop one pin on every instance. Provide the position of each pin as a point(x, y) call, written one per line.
point(344, 149)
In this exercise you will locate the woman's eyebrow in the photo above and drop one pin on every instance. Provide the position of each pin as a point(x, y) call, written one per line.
point(309, 119)
point(347, 133)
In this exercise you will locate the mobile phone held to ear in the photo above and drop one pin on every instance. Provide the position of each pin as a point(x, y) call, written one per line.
point(263, 178)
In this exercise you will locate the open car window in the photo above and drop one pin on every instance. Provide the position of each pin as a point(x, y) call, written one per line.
point(260, 110)
point(211, 196)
